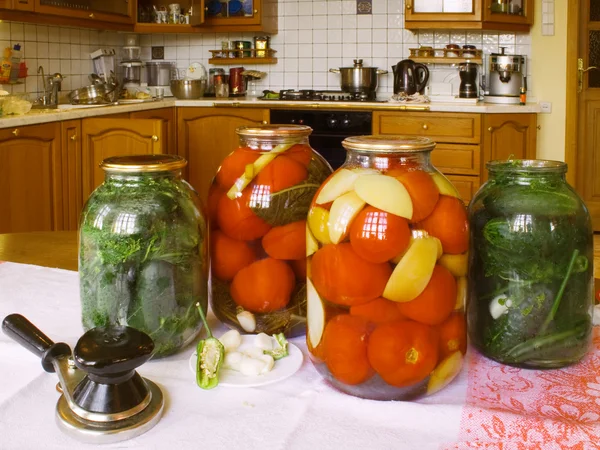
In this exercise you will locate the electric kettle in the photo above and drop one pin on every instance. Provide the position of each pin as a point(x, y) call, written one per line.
point(410, 77)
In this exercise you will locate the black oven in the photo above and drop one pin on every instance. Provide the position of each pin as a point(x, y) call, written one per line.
point(330, 128)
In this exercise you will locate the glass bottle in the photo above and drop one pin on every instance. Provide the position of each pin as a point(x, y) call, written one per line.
point(258, 203)
point(142, 251)
point(387, 245)
point(530, 268)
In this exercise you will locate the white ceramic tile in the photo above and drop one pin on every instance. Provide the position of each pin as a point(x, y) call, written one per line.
point(291, 50)
point(319, 8)
point(395, 7)
point(291, 37)
point(292, 23)
point(158, 40)
point(335, 21)
point(364, 21)
point(319, 36)
point(319, 50)
point(364, 36)
point(4, 31)
point(16, 32)
point(305, 38)
point(305, 64)
point(380, 21)
point(349, 36)
point(379, 36)
point(379, 6)
point(54, 51)
point(334, 50)
point(334, 7)
point(65, 51)
point(474, 37)
point(42, 49)
point(29, 50)
point(348, 7)
point(306, 9)
point(350, 21)
point(349, 51)
point(183, 53)
point(320, 22)
point(394, 51)
point(290, 8)
point(30, 32)
point(334, 36)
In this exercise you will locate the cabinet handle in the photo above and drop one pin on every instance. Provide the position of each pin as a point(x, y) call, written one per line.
point(425, 126)
point(154, 138)
point(15, 132)
point(256, 11)
point(206, 9)
point(539, 127)
point(490, 129)
point(92, 16)
point(264, 122)
point(408, 4)
point(74, 137)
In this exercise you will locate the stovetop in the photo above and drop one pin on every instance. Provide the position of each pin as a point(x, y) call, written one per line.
point(323, 96)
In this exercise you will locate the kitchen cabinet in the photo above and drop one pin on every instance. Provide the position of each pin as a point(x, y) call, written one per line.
point(17, 5)
point(508, 136)
point(31, 179)
point(213, 16)
point(465, 142)
point(120, 11)
point(103, 138)
point(207, 135)
point(500, 15)
point(169, 127)
point(70, 135)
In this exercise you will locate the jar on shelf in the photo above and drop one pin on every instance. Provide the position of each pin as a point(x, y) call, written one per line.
point(387, 244)
point(143, 258)
point(530, 268)
point(257, 204)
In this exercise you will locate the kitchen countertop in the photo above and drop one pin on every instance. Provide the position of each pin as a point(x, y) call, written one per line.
point(54, 115)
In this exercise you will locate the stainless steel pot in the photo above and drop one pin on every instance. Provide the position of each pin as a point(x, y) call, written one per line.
point(358, 78)
point(158, 73)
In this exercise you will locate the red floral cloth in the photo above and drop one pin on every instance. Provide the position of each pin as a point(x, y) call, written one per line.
point(511, 408)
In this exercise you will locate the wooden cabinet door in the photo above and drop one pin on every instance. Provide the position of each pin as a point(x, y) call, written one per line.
point(167, 116)
point(207, 135)
point(118, 11)
point(508, 136)
point(103, 138)
point(71, 163)
point(31, 194)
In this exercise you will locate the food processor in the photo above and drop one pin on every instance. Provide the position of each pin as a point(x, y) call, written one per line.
point(104, 63)
point(504, 78)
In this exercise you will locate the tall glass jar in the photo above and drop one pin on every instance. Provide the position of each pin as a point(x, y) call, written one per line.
point(258, 203)
point(530, 268)
point(143, 258)
point(387, 245)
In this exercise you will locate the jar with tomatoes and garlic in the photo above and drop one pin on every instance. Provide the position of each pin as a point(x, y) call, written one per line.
point(257, 208)
point(387, 249)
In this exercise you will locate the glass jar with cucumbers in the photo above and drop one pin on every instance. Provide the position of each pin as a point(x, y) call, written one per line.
point(531, 266)
point(257, 208)
point(387, 249)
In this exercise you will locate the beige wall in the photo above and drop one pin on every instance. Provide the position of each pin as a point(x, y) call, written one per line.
point(549, 80)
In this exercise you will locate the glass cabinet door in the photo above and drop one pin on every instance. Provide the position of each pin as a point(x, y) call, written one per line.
point(110, 10)
point(509, 11)
point(442, 10)
point(232, 12)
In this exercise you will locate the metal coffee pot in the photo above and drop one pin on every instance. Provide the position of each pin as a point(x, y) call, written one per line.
point(410, 77)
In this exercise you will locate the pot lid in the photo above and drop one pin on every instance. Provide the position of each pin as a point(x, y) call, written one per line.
point(358, 64)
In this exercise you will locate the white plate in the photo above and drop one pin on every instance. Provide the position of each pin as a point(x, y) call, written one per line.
point(283, 368)
point(195, 71)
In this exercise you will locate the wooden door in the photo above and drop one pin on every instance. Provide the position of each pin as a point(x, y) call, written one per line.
point(71, 163)
point(508, 136)
point(31, 195)
point(207, 135)
point(588, 157)
point(167, 116)
point(103, 138)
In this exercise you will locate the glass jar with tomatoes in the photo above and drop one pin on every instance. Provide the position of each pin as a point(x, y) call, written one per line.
point(387, 264)
point(257, 207)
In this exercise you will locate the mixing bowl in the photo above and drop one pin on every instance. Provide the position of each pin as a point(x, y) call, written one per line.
point(188, 89)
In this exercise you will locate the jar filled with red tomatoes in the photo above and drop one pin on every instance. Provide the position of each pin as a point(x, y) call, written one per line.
point(257, 207)
point(387, 249)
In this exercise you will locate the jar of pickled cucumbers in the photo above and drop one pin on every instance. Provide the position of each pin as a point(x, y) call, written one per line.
point(143, 256)
point(531, 266)
point(387, 264)
point(257, 207)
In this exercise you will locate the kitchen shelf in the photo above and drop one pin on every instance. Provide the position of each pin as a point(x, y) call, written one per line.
point(269, 57)
point(444, 60)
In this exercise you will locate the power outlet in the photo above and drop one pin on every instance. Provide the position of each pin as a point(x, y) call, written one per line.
point(546, 107)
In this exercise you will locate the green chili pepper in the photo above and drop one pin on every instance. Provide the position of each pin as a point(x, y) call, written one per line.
point(282, 350)
point(210, 353)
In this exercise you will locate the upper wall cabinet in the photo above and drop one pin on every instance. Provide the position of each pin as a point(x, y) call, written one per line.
point(212, 16)
point(499, 15)
point(101, 14)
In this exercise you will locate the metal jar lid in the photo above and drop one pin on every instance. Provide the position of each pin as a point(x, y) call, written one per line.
point(272, 131)
point(143, 163)
point(388, 144)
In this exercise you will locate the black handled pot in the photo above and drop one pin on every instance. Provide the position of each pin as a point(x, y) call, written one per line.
point(358, 78)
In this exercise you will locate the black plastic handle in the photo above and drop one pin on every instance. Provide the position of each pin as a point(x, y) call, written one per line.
point(29, 336)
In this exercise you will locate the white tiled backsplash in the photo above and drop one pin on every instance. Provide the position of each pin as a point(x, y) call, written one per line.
point(314, 36)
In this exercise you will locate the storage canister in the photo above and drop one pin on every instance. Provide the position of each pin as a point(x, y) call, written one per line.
point(387, 244)
point(530, 268)
point(257, 205)
point(143, 258)
point(158, 73)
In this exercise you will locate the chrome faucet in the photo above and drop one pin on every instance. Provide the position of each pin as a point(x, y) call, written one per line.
point(52, 85)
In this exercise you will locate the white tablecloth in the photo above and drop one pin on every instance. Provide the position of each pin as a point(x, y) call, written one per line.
point(301, 412)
